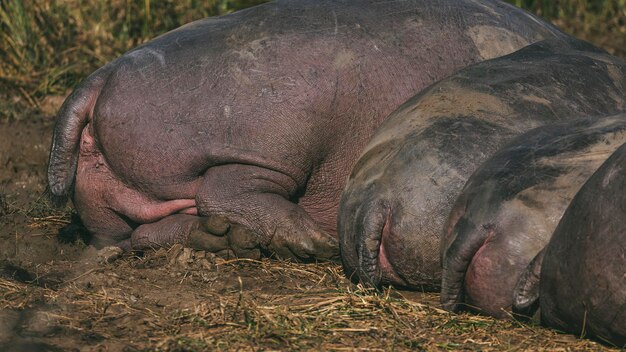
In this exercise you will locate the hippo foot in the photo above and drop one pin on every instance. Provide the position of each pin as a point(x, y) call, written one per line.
point(226, 240)
point(250, 209)
point(216, 234)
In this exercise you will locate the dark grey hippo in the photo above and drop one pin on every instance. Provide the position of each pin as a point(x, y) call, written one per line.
point(579, 279)
point(511, 205)
point(403, 186)
point(246, 126)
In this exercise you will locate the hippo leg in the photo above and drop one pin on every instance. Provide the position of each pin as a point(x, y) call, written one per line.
point(213, 234)
point(167, 231)
point(257, 198)
point(255, 211)
point(245, 208)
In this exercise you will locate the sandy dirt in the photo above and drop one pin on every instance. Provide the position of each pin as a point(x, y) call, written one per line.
point(72, 297)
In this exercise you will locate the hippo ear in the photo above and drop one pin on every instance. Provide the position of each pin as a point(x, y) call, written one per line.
point(526, 293)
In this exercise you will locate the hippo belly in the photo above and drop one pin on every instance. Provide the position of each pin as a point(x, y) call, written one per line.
point(404, 184)
point(250, 122)
point(579, 279)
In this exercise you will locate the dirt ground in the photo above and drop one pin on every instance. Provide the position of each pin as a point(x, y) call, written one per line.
point(68, 296)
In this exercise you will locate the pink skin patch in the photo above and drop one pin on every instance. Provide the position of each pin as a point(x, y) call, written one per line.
point(486, 279)
point(389, 275)
point(479, 265)
point(102, 197)
point(152, 211)
point(189, 211)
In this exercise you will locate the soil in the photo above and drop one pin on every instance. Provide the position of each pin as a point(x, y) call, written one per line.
point(58, 296)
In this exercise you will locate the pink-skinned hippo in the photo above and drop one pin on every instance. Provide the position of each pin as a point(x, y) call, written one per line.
point(237, 133)
point(579, 279)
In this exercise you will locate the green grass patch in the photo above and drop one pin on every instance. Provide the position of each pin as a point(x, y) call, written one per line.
point(48, 46)
point(601, 22)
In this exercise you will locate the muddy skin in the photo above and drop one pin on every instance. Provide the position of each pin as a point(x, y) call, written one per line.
point(403, 186)
point(579, 279)
point(250, 122)
point(511, 205)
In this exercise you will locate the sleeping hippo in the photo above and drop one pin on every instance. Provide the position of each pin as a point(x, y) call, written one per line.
point(404, 184)
point(579, 279)
point(238, 132)
point(511, 205)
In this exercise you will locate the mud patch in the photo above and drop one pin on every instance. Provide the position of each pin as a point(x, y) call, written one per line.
point(484, 38)
point(447, 101)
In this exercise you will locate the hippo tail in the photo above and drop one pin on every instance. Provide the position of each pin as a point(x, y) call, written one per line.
point(456, 259)
point(526, 293)
point(73, 116)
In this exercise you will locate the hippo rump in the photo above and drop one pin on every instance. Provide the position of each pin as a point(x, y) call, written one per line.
point(246, 126)
point(579, 279)
point(511, 205)
point(403, 186)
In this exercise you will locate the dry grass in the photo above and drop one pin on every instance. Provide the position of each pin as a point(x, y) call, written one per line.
point(144, 303)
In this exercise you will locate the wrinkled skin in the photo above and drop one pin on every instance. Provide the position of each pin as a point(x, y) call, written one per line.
point(249, 123)
point(579, 279)
point(511, 205)
point(403, 186)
